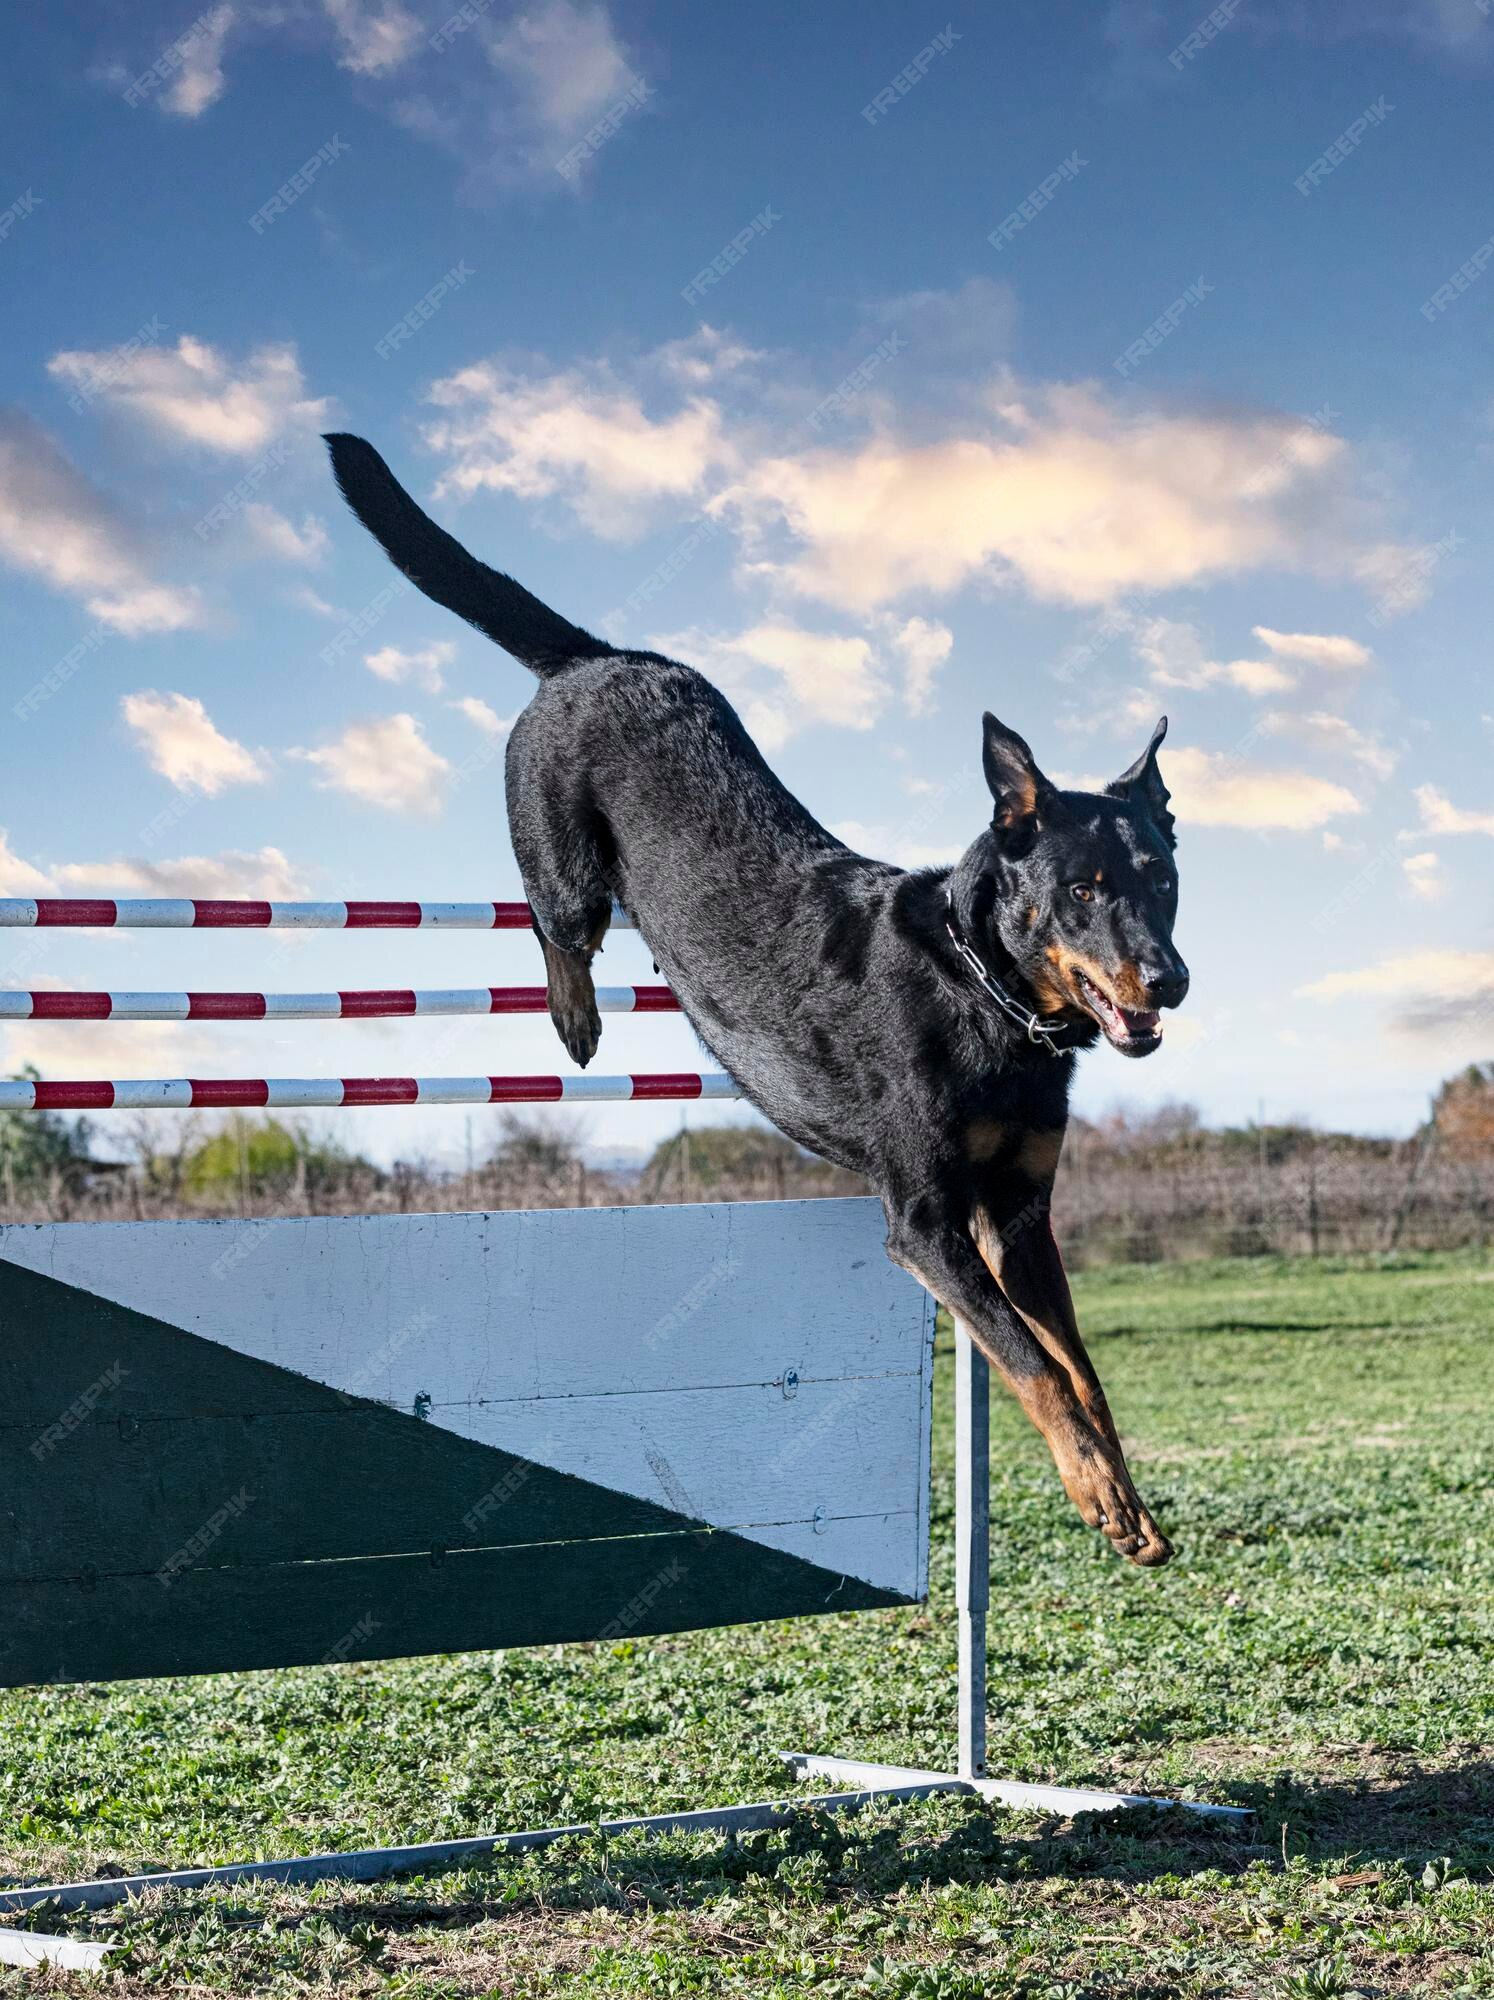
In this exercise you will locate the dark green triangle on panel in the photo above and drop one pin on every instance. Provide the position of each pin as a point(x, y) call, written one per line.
point(170, 1506)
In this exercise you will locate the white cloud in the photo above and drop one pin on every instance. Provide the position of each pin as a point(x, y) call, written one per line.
point(922, 645)
point(280, 537)
point(1211, 789)
point(1440, 815)
point(1175, 653)
point(1444, 997)
point(199, 81)
point(581, 435)
point(566, 62)
point(1324, 731)
point(233, 873)
point(59, 527)
point(376, 36)
point(785, 678)
point(1451, 974)
point(1076, 498)
point(385, 761)
point(886, 843)
point(313, 601)
point(182, 742)
point(391, 664)
point(1396, 575)
point(18, 877)
point(1318, 649)
point(1056, 489)
point(191, 394)
point(482, 717)
point(1424, 876)
point(1259, 677)
point(703, 356)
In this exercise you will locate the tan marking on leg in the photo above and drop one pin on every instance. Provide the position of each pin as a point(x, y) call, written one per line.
point(1021, 1256)
point(1090, 1465)
point(985, 1138)
point(1037, 1156)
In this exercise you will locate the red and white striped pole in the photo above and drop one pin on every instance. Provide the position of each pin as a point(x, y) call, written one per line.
point(306, 1093)
point(380, 1004)
point(198, 913)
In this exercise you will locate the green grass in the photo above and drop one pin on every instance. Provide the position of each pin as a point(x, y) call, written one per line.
point(1317, 1440)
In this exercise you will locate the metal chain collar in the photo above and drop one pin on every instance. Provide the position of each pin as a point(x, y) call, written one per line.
point(1036, 1030)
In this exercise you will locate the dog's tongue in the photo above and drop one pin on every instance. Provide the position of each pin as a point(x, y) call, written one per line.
point(1139, 1023)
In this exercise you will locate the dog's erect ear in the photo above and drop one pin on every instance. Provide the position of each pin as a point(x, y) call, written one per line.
point(1017, 785)
point(1143, 784)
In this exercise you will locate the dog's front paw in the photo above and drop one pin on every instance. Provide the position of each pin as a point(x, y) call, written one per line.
point(1096, 1480)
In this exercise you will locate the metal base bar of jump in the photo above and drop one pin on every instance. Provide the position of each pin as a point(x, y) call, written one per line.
point(871, 1784)
point(972, 1605)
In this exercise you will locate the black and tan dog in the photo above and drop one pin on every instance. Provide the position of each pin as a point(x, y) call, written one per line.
point(918, 1027)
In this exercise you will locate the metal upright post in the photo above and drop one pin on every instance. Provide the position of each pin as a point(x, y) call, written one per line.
point(972, 1599)
point(972, 1543)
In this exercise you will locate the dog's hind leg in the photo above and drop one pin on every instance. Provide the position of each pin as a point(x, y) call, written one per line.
point(571, 994)
point(558, 840)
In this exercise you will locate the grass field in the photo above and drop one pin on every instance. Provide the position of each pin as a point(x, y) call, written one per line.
point(1317, 1439)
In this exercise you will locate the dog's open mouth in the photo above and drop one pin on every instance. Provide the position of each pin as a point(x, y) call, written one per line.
point(1134, 1033)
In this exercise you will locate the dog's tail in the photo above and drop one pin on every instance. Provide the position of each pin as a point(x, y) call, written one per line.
point(438, 564)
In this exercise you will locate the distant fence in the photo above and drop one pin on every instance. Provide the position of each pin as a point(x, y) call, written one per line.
point(1108, 1208)
point(1314, 1202)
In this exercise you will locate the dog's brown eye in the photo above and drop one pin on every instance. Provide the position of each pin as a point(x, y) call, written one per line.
point(1081, 892)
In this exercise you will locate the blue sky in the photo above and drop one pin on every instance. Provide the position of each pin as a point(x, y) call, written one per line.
point(1074, 361)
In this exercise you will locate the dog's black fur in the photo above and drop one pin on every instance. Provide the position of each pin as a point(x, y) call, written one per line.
point(832, 987)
